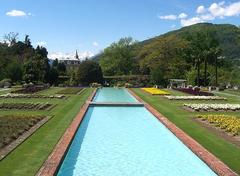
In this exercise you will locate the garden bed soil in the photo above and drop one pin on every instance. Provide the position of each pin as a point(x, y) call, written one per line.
point(6, 150)
point(26, 106)
point(30, 90)
point(218, 131)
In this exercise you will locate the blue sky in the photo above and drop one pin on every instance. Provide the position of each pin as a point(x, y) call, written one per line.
point(91, 25)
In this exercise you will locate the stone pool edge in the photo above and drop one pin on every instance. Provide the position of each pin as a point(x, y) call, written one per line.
point(51, 165)
point(213, 162)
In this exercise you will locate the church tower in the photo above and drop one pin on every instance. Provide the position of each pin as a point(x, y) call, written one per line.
point(76, 56)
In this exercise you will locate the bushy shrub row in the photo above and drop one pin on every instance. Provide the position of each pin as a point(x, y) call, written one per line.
point(25, 106)
point(12, 126)
point(133, 80)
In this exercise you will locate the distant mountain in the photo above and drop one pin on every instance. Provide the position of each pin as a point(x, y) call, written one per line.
point(228, 36)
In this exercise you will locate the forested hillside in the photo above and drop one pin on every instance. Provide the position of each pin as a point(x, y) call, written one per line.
point(227, 35)
point(204, 54)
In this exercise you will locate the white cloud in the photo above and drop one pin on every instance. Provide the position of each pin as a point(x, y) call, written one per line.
point(201, 9)
point(204, 14)
point(182, 15)
point(18, 13)
point(233, 9)
point(168, 17)
point(173, 26)
point(216, 10)
point(41, 43)
point(221, 10)
point(95, 44)
point(63, 56)
point(191, 21)
point(207, 17)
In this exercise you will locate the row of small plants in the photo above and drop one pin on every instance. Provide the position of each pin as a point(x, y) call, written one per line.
point(213, 107)
point(10, 95)
point(155, 91)
point(230, 124)
point(70, 90)
point(195, 98)
point(12, 126)
point(25, 106)
point(194, 91)
point(29, 90)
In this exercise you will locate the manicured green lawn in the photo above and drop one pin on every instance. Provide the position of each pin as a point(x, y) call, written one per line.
point(29, 156)
point(226, 151)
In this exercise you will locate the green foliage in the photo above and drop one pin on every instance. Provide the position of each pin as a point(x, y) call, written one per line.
point(118, 59)
point(19, 60)
point(53, 76)
point(235, 76)
point(164, 59)
point(190, 53)
point(89, 72)
point(15, 72)
point(191, 76)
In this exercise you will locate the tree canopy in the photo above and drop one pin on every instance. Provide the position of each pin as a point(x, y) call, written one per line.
point(89, 72)
point(119, 58)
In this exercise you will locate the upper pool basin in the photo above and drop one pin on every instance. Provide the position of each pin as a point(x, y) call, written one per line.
point(114, 95)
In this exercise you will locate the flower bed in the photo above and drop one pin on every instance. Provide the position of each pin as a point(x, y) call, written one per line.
point(29, 90)
point(214, 107)
point(70, 90)
point(12, 126)
point(195, 98)
point(155, 91)
point(194, 92)
point(230, 124)
point(25, 106)
point(9, 95)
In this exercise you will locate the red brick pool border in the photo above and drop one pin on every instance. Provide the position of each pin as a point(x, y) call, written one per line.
point(54, 160)
point(213, 162)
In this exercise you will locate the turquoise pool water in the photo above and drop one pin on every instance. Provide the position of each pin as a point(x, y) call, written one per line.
point(113, 95)
point(128, 141)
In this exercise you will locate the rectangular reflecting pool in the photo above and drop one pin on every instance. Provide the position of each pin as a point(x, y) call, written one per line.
point(122, 141)
point(113, 95)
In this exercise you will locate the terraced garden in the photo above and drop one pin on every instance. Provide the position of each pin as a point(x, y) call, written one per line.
point(222, 142)
point(17, 121)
